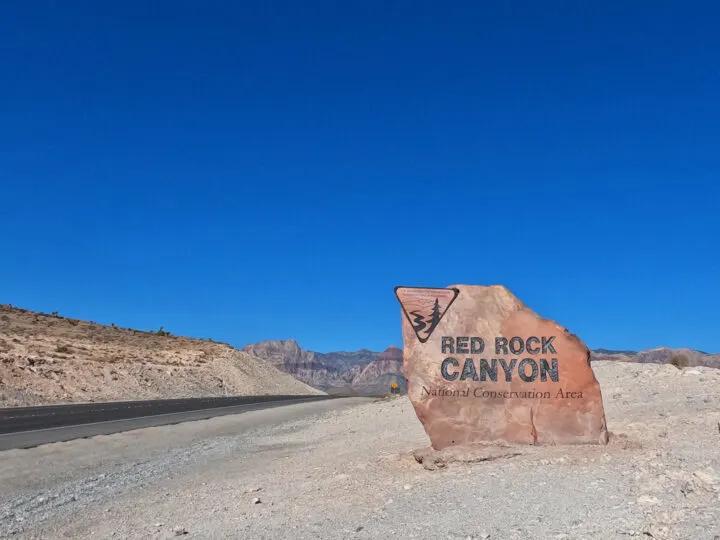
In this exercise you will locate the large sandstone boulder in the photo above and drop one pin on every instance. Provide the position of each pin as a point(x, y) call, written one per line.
point(482, 367)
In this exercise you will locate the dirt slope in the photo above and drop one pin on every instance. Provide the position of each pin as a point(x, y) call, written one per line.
point(46, 359)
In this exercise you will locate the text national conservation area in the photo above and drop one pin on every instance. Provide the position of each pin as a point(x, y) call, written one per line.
point(528, 366)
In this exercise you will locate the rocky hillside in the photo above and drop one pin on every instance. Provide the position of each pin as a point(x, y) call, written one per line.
point(46, 359)
point(379, 374)
point(661, 355)
point(362, 371)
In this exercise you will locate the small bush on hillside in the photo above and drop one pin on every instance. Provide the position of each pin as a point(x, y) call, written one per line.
point(162, 332)
point(680, 361)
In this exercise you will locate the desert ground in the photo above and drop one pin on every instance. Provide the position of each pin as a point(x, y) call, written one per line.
point(358, 469)
point(48, 359)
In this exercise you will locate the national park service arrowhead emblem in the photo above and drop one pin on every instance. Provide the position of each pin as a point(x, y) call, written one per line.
point(425, 307)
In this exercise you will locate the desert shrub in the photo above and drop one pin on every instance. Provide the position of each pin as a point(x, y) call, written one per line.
point(679, 361)
point(163, 332)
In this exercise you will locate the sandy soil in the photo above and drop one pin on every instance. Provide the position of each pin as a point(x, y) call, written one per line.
point(347, 470)
point(47, 359)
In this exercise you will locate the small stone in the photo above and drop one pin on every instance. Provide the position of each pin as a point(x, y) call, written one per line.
point(158, 524)
point(687, 488)
point(658, 531)
point(407, 487)
point(647, 499)
point(256, 500)
point(180, 531)
point(359, 528)
point(708, 478)
point(484, 535)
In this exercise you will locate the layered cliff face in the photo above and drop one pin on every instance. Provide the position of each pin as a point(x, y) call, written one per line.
point(378, 375)
point(362, 371)
point(305, 365)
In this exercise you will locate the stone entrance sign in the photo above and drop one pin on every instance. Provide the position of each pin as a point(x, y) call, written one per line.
point(482, 367)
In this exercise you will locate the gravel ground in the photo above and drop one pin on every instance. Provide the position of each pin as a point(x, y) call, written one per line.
point(347, 470)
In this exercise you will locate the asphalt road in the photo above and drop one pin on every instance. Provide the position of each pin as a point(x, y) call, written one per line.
point(25, 427)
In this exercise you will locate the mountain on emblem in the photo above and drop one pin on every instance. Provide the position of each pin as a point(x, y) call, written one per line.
point(425, 307)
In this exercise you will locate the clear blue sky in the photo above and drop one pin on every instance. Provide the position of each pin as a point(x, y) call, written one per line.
point(271, 170)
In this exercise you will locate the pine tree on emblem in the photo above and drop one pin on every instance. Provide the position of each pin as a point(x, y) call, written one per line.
point(434, 317)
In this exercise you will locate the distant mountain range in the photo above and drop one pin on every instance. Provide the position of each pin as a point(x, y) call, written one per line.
point(662, 355)
point(335, 372)
point(368, 371)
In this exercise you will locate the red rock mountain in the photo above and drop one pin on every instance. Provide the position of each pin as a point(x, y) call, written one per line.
point(381, 372)
point(362, 371)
